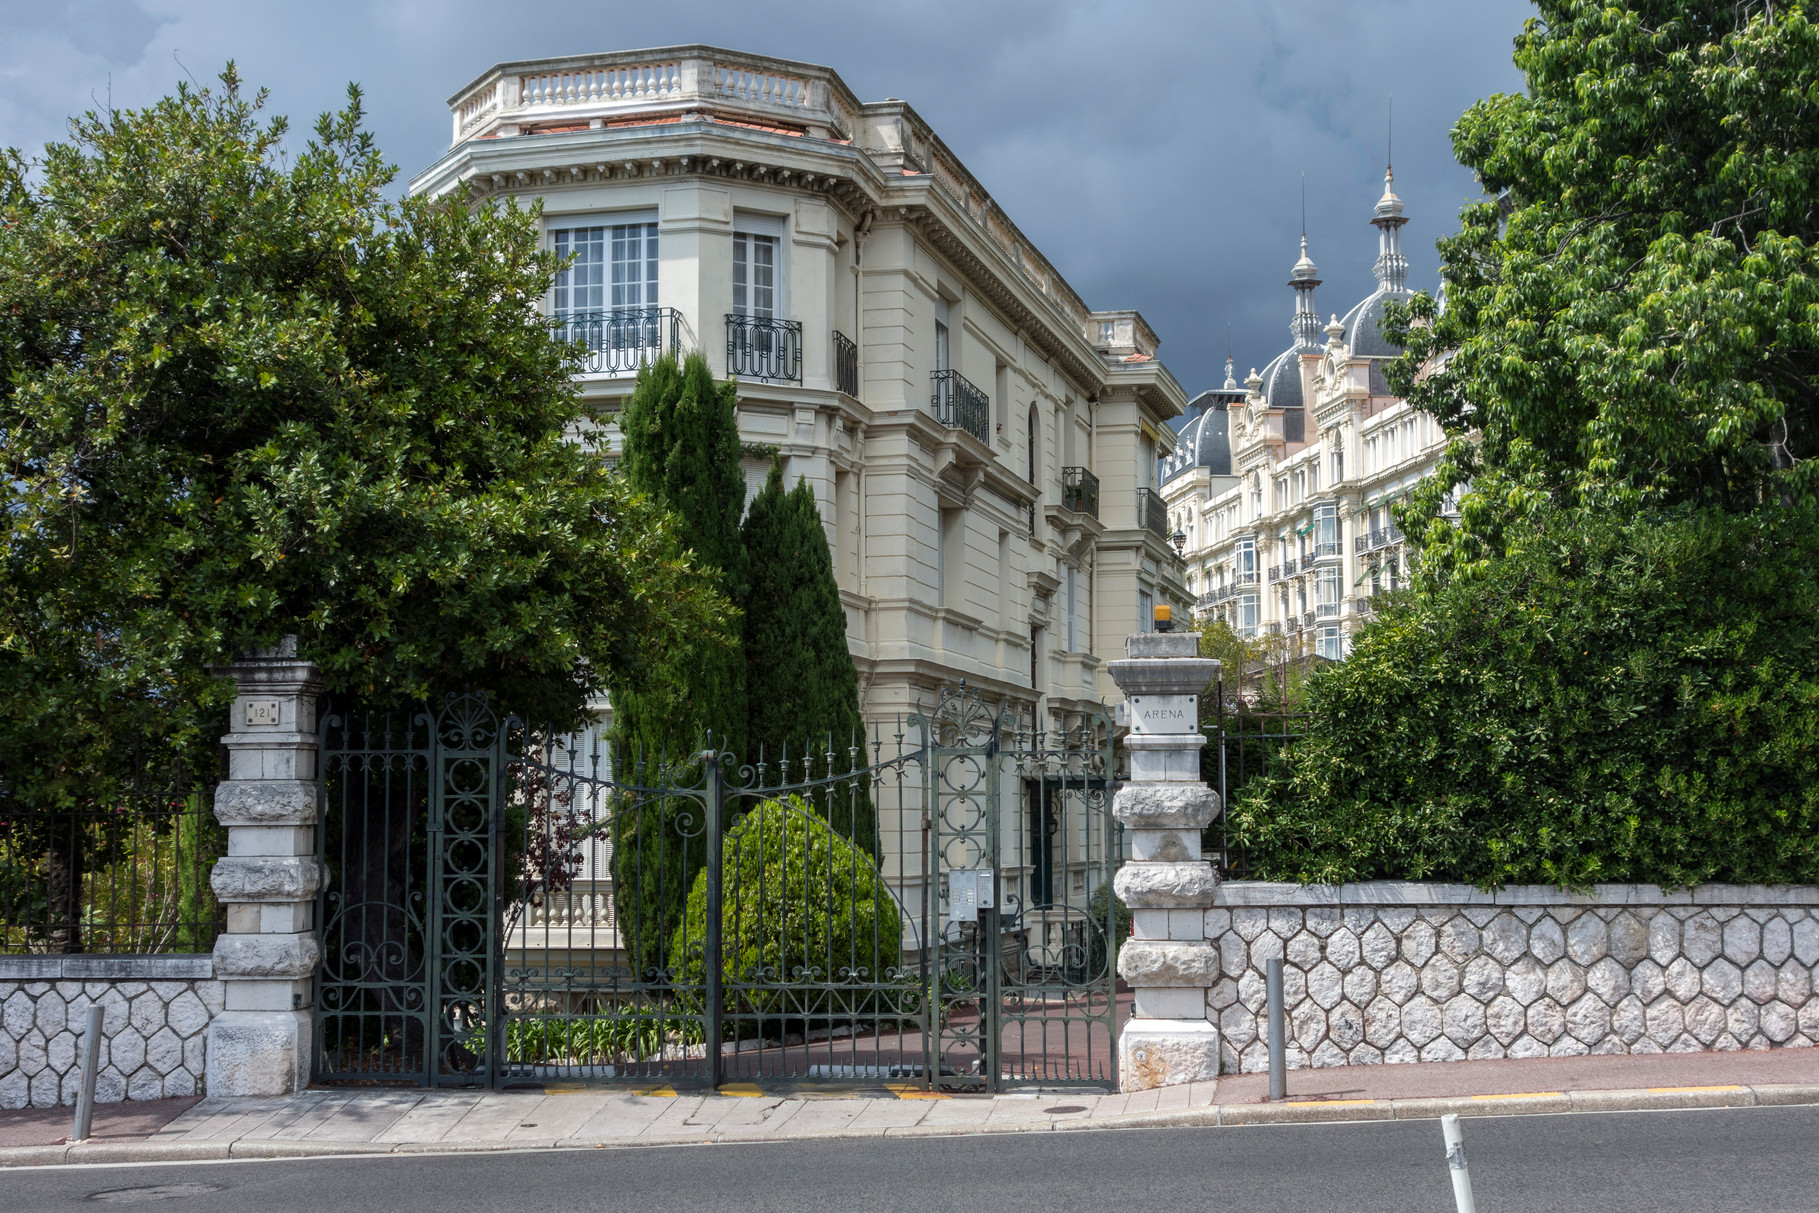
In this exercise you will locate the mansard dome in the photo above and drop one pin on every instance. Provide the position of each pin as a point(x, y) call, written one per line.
point(1364, 326)
point(1282, 381)
point(1204, 442)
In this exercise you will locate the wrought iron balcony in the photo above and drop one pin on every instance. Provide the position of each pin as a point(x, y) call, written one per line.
point(1152, 515)
point(763, 348)
point(620, 340)
point(961, 406)
point(1275, 572)
point(1307, 619)
point(1080, 491)
point(1361, 543)
point(846, 364)
point(1288, 567)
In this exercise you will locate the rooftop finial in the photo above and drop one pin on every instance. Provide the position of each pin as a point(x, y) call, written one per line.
point(1392, 267)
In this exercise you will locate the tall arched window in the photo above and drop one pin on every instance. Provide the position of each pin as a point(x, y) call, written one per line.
point(1035, 443)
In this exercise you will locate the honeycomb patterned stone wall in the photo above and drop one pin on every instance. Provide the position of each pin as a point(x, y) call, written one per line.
point(1385, 972)
point(154, 1027)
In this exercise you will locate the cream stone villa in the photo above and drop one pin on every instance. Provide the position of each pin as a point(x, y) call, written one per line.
point(983, 445)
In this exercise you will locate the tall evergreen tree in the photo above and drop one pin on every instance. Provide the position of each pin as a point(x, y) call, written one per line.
point(681, 451)
point(804, 692)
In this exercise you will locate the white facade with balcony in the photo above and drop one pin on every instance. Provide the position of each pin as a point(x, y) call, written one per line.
point(1283, 485)
point(982, 444)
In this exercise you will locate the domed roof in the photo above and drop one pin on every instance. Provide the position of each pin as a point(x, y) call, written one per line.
point(1282, 380)
point(1364, 326)
point(1204, 442)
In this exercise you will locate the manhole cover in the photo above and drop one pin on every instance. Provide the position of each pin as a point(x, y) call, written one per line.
point(1071, 1107)
point(154, 1192)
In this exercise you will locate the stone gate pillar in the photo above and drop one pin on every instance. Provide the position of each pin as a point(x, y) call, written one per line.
point(266, 960)
point(1168, 961)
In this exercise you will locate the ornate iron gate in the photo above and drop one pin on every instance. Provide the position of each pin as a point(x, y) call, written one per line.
point(511, 905)
point(1022, 835)
point(409, 834)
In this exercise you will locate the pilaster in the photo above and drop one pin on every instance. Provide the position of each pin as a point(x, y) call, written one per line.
point(268, 880)
point(1168, 961)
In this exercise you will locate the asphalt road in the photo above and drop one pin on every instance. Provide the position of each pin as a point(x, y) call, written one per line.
point(1758, 1159)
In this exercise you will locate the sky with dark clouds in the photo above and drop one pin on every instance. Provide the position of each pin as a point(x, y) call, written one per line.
point(1153, 149)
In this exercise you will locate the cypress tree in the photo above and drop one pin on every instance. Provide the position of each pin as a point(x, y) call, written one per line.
point(681, 450)
point(803, 689)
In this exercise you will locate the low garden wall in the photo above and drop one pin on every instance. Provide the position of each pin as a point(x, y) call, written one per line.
point(1393, 972)
point(156, 1012)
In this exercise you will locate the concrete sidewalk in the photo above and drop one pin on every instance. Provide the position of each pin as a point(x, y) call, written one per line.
point(365, 1120)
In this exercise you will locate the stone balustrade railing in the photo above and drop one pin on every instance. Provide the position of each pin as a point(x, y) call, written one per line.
point(606, 86)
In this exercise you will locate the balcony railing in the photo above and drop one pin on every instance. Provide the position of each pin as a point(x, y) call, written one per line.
point(1245, 577)
point(1080, 491)
point(961, 406)
point(1327, 549)
point(846, 364)
point(1152, 515)
point(1275, 572)
point(620, 340)
point(763, 348)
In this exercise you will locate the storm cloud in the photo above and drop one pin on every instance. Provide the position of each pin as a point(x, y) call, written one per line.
point(1153, 150)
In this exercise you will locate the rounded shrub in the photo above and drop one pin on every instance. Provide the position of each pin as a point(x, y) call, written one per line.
point(808, 928)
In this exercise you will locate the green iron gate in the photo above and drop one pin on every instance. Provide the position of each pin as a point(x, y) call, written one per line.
point(917, 908)
point(410, 834)
point(1023, 939)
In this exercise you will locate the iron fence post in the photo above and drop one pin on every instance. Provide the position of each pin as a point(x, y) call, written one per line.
point(716, 799)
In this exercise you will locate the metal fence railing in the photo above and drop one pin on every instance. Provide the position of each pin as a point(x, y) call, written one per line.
point(126, 874)
point(1243, 740)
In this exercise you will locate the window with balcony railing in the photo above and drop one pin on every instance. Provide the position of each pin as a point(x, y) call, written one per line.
point(1152, 513)
point(1080, 491)
point(846, 364)
point(763, 348)
point(618, 340)
point(959, 405)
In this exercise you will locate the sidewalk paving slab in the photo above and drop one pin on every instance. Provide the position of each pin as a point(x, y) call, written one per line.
point(326, 1122)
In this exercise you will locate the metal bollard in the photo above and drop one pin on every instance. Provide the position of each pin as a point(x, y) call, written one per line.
point(1278, 1046)
point(91, 1064)
point(1455, 1162)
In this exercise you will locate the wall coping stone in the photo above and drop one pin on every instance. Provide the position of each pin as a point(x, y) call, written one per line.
point(98, 967)
point(1237, 893)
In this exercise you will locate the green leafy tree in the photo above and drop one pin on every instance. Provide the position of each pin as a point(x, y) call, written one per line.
point(1632, 322)
point(804, 692)
point(243, 393)
point(1607, 669)
point(682, 450)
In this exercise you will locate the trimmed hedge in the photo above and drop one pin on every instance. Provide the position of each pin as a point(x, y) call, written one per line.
point(1620, 700)
point(808, 927)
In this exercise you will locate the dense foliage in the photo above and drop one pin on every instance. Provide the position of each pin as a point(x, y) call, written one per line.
point(243, 393)
point(1642, 704)
point(800, 906)
point(1633, 320)
point(682, 450)
point(804, 720)
point(1607, 671)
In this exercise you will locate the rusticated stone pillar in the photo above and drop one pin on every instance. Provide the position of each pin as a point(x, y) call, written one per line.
point(266, 960)
point(1168, 961)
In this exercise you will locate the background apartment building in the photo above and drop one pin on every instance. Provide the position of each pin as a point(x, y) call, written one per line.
point(983, 446)
point(1282, 485)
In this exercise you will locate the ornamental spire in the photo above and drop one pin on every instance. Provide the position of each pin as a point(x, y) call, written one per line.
point(1392, 267)
point(1305, 327)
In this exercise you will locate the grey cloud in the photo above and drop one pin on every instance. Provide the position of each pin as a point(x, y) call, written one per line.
point(1153, 149)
